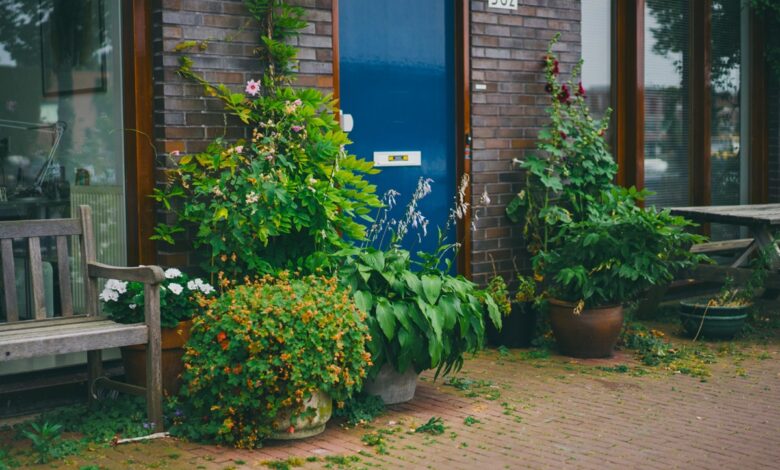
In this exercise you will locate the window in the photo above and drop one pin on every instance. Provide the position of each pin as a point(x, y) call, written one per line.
point(596, 41)
point(61, 118)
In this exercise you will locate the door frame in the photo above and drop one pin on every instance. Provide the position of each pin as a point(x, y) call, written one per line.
point(462, 18)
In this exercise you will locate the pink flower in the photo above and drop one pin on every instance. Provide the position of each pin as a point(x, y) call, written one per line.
point(580, 90)
point(297, 102)
point(175, 153)
point(297, 128)
point(269, 157)
point(239, 148)
point(252, 87)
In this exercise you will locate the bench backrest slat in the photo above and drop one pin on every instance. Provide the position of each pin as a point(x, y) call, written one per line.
point(33, 231)
point(36, 275)
point(40, 228)
point(88, 255)
point(9, 280)
point(63, 271)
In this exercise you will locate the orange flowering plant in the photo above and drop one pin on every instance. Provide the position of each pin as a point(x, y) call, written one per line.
point(262, 349)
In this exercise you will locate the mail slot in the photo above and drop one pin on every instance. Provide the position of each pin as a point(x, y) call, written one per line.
point(398, 158)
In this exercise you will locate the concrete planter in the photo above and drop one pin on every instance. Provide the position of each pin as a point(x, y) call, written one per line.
point(392, 386)
point(305, 426)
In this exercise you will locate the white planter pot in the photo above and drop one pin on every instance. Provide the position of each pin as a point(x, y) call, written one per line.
point(393, 387)
point(305, 426)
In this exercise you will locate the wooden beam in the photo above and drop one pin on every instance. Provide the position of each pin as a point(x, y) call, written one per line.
point(758, 117)
point(700, 103)
point(629, 91)
point(463, 125)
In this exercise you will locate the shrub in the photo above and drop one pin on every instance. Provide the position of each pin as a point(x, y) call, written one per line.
point(265, 347)
point(124, 301)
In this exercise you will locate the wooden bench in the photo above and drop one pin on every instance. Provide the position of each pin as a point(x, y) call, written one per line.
point(66, 331)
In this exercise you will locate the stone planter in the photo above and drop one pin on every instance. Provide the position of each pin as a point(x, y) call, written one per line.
point(392, 386)
point(305, 426)
point(592, 333)
point(517, 329)
point(713, 322)
point(173, 340)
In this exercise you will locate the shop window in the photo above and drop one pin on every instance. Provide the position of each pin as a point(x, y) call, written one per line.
point(61, 129)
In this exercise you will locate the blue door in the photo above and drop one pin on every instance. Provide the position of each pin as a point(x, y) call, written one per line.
point(398, 83)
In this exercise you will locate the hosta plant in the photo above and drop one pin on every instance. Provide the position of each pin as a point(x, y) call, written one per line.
point(419, 314)
point(262, 349)
point(124, 301)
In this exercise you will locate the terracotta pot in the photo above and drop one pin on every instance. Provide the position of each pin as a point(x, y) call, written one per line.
point(592, 333)
point(517, 329)
point(308, 426)
point(173, 340)
point(392, 386)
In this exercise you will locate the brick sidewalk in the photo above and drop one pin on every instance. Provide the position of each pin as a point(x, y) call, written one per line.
point(541, 413)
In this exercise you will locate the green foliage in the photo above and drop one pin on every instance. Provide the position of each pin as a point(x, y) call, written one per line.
point(654, 350)
point(288, 197)
point(617, 252)
point(471, 421)
point(733, 295)
point(423, 319)
point(499, 292)
point(434, 426)
point(47, 442)
point(360, 409)
point(101, 420)
point(574, 165)
point(264, 348)
point(591, 243)
point(526, 289)
point(7, 462)
point(179, 299)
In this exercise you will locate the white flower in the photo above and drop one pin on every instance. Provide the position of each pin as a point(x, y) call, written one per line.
point(193, 285)
point(206, 288)
point(172, 273)
point(485, 198)
point(252, 198)
point(117, 286)
point(132, 306)
point(198, 284)
point(175, 288)
point(109, 295)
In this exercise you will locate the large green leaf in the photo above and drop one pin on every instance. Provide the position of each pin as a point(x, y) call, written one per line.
point(449, 305)
point(435, 317)
point(364, 301)
point(401, 312)
point(385, 317)
point(374, 259)
point(413, 282)
point(431, 287)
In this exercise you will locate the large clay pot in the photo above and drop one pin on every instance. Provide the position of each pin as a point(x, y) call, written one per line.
point(713, 322)
point(592, 333)
point(173, 340)
point(305, 426)
point(517, 329)
point(392, 386)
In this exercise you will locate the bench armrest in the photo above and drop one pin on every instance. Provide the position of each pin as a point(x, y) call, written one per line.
point(146, 274)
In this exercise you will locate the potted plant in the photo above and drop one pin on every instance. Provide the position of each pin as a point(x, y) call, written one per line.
point(724, 315)
point(592, 246)
point(420, 316)
point(518, 320)
point(594, 266)
point(124, 302)
point(267, 358)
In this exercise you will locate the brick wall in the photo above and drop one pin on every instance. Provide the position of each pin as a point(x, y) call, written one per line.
point(507, 50)
point(187, 121)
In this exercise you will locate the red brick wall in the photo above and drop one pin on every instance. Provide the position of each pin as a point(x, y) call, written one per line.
point(507, 50)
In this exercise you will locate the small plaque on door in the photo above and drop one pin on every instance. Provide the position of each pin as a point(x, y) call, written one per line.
point(398, 158)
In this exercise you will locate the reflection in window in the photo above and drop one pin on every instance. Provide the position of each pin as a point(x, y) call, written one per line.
point(596, 54)
point(667, 66)
point(726, 154)
point(61, 137)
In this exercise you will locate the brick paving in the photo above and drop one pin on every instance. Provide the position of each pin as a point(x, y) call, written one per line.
point(538, 413)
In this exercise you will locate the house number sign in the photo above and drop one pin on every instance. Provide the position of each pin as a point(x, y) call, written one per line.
point(505, 4)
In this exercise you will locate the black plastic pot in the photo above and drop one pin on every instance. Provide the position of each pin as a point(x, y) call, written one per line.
point(715, 322)
point(518, 327)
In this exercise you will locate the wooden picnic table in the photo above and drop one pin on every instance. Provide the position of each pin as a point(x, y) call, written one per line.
point(763, 220)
